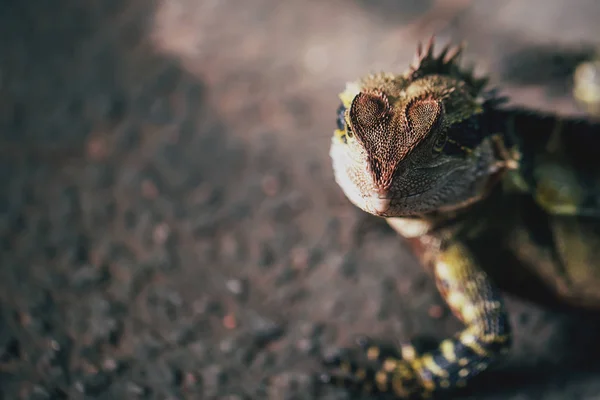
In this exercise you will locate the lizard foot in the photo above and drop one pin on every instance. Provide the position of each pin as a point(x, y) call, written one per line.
point(383, 369)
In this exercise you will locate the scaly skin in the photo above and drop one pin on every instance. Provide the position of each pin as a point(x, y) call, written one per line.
point(481, 193)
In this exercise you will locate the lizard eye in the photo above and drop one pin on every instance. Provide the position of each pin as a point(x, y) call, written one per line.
point(341, 122)
point(440, 142)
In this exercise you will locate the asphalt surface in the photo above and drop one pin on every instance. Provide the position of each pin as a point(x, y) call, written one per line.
point(169, 224)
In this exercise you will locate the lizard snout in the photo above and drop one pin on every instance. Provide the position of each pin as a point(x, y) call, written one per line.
point(379, 203)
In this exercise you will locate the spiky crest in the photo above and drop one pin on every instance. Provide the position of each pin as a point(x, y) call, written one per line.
point(447, 63)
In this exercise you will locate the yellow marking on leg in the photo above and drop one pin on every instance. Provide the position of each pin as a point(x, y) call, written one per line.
point(381, 378)
point(455, 300)
point(448, 352)
point(429, 363)
point(463, 372)
point(428, 385)
point(408, 352)
point(373, 353)
point(469, 340)
point(425, 370)
point(470, 312)
point(390, 364)
point(403, 370)
point(445, 383)
point(398, 386)
point(442, 270)
point(494, 338)
point(472, 285)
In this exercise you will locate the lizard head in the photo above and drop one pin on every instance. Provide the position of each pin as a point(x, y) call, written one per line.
point(414, 143)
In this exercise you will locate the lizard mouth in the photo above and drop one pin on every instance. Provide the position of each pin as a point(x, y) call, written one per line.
point(379, 205)
point(416, 202)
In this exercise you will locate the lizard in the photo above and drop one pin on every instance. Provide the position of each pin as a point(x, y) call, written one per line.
point(480, 190)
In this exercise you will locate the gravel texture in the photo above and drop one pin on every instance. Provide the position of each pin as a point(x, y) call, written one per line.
point(169, 224)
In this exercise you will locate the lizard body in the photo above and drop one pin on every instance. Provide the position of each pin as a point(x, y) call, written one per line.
point(483, 193)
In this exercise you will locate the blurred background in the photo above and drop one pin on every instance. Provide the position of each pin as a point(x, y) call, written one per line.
point(169, 223)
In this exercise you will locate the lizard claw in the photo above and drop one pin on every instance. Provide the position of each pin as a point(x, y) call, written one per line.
point(376, 368)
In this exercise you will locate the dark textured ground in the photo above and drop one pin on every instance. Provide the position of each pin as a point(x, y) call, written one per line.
point(168, 220)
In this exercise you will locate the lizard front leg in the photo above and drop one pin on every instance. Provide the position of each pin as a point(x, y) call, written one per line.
point(475, 301)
